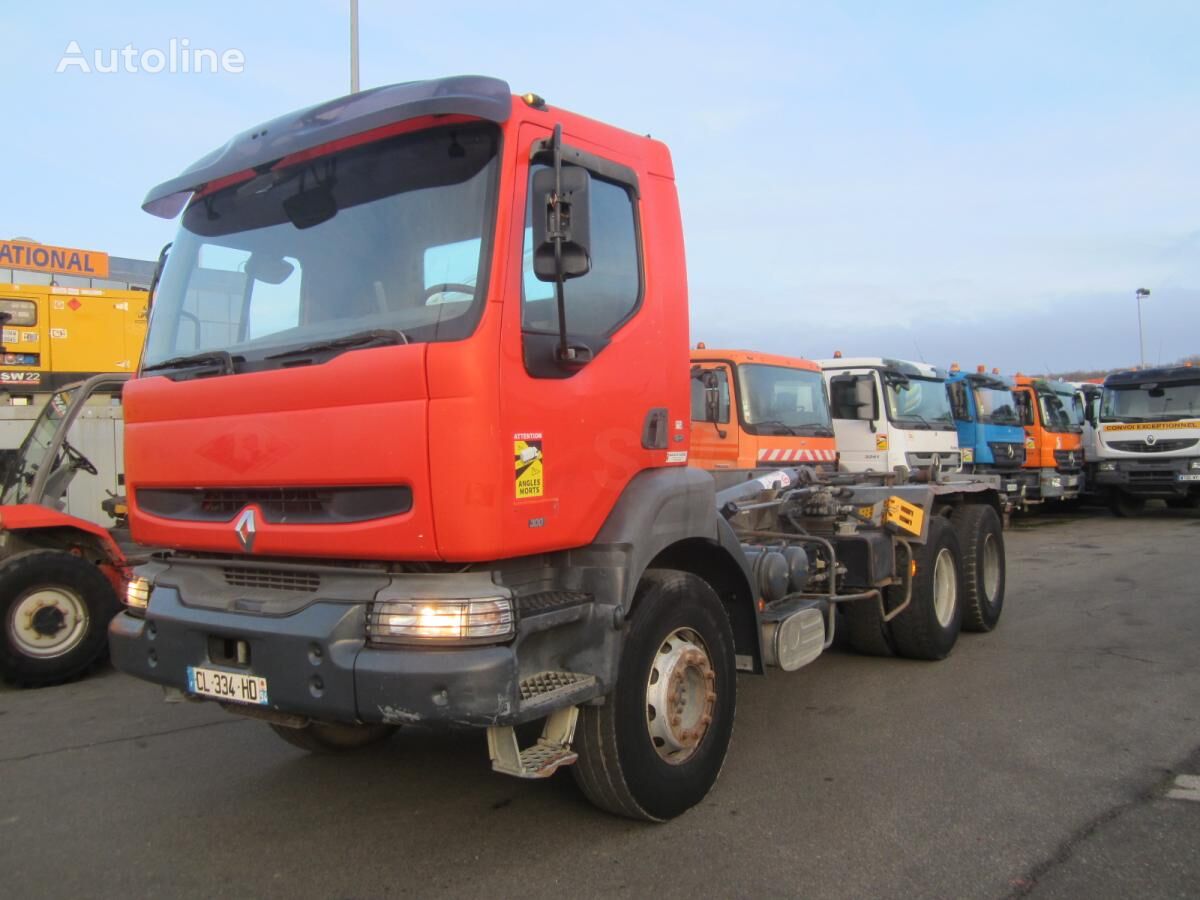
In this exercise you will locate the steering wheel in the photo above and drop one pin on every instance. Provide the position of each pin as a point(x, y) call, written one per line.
point(77, 460)
point(450, 287)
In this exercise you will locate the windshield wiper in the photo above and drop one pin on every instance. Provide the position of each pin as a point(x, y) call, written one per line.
point(375, 337)
point(775, 423)
point(220, 358)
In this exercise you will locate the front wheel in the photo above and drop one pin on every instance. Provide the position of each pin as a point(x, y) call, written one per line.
point(1127, 505)
point(334, 737)
point(55, 607)
point(656, 746)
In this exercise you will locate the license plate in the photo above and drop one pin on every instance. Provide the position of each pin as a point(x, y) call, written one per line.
point(231, 686)
point(1190, 477)
point(1012, 488)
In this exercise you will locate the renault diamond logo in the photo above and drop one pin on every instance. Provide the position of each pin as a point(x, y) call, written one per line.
point(1011, 452)
point(1071, 458)
point(1151, 440)
point(244, 529)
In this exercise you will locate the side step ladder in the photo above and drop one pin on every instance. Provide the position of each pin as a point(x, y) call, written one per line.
point(553, 748)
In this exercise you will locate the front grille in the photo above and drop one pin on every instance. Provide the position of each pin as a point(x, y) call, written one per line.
point(1151, 475)
point(275, 503)
point(1068, 460)
point(1170, 446)
point(1007, 454)
point(272, 579)
point(287, 505)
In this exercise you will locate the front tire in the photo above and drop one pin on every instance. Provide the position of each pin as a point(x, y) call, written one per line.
point(1127, 506)
point(929, 627)
point(334, 737)
point(657, 745)
point(55, 608)
point(983, 566)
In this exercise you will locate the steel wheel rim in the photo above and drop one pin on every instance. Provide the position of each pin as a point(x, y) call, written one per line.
point(681, 691)
point(48, 622)
point(991, 568)
point(945, 587)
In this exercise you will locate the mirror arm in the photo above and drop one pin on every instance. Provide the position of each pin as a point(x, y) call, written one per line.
point(565, 352)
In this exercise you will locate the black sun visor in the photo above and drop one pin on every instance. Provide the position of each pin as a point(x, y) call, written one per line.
point(467, 95)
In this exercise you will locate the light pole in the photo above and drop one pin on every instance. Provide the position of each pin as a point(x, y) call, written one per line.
point(354, 46)
point(1139, 294)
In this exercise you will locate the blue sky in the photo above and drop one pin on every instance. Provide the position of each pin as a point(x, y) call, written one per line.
point(982, 182)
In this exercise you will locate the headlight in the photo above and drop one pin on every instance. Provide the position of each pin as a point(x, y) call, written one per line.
point(1194, 464)
point(1107, 467)
point(1055, 482)
point(137, 594)
point(446, 621)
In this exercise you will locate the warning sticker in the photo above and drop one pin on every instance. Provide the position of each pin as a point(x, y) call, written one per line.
point(11, 336)
point(528, 462)
point(881, 441)
point(58, 333)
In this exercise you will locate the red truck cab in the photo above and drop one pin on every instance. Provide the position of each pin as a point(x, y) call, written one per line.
point(412, 425)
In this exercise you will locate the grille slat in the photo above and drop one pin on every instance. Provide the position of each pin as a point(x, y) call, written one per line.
point(1167, 446)
point(272, 579)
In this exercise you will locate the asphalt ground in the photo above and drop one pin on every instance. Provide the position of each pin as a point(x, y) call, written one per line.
point(1043, 760)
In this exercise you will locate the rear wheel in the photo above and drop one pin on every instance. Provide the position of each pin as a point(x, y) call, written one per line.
point(929, 627)
point(982, 542)
point(1127, 505)
point(334, 737)
point(656, 746)
point(55, 608)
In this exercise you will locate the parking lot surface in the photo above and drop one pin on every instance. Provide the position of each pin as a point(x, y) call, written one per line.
point(1050, 758)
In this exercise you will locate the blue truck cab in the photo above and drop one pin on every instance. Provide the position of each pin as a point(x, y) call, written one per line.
point(990, 435)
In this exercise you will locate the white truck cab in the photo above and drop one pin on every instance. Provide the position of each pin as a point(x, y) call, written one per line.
point(1142, 438)
point(889, 413)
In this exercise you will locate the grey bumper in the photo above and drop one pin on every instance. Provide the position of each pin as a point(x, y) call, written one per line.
point(318, 664)
point(1149, 477)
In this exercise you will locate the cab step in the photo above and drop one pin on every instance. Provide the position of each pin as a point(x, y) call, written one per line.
point(554, 690)
point(541, 760)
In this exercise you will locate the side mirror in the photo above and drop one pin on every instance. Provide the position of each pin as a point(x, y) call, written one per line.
point(564, 214)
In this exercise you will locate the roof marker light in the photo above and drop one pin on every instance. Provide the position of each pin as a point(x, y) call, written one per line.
point(533, 100)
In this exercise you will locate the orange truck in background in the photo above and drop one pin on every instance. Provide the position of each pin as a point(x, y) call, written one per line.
point(1052, 414)
point(758, 410)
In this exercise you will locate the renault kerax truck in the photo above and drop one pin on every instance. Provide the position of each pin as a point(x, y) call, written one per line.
point(1143, 438)
point(412, 428)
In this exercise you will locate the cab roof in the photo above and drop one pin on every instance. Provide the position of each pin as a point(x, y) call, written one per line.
point(887, 364)
point(740, 357)
point(469, 95)
point(1160, 376)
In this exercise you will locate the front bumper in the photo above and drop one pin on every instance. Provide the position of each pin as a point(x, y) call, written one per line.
point(1050, 484)
point(318, 664)
point(1171, 477)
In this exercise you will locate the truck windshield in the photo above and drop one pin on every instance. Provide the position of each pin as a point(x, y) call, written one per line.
point(31, 456)
point(1151, 404)
point(996, 406)
point(781, 400)
point(389, 238)
point(919, 403)
point(1061, 413)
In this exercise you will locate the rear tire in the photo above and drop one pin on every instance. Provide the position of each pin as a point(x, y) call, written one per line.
point(55, 608)
point(983, 567)
point(657, 745)
point(866, 632)
point(334, 737)
point(929, 627)
point(1127, 506)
